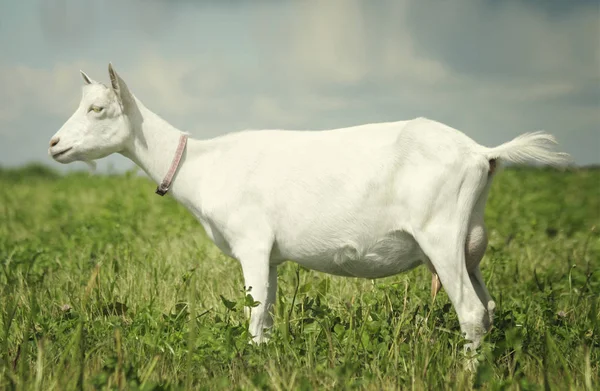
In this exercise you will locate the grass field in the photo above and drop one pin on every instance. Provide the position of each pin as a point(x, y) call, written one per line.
point(104, 285)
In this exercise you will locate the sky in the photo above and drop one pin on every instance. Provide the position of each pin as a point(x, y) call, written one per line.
point(492, 69)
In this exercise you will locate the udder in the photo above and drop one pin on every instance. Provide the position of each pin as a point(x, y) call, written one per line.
point(392, 254)
point(475, 245)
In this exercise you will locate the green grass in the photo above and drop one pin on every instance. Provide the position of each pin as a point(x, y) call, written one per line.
point(104, 285)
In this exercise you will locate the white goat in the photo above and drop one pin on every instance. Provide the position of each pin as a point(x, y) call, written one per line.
point(366, 201)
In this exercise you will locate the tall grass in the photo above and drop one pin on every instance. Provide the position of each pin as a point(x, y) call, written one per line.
point(103, 285)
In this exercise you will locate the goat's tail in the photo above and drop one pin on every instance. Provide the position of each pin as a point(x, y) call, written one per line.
point(537, 147)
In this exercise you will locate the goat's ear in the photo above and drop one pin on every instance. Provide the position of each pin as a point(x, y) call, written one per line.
point(118, 85)
point(86, 78)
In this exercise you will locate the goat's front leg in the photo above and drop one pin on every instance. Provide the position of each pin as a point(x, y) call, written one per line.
point(260, 279)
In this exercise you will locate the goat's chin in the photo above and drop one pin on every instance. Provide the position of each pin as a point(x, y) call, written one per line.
point(83, 155)
point(73, 155)
point(65, 158)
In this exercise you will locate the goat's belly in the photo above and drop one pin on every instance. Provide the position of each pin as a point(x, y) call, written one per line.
point(392, 254)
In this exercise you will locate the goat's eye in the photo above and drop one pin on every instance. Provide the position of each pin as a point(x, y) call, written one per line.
point(95, 109)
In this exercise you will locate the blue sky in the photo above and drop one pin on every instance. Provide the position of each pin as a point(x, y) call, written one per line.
point(491, 69)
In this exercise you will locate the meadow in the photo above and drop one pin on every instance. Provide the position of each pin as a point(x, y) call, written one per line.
point(104, 285)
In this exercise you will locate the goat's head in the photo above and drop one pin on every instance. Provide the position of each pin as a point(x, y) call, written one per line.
point(101, 125)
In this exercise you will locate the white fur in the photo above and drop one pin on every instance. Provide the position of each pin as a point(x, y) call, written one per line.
point(366, 201)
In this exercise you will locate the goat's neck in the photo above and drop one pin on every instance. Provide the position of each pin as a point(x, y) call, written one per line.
point(154, 144)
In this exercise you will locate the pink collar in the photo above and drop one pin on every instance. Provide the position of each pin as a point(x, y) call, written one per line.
point(163, 188)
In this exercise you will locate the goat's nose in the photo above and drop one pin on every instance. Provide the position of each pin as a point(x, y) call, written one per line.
point(54, 141)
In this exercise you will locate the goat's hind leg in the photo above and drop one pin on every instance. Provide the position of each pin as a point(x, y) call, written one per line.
point(442, 239)
point(446, 253)
point(484, 295)
point(477, 242)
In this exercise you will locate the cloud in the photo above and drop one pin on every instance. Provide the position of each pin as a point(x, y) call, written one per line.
point(344, 42)
point(510, 41)
point(29, 90)
point(493, 70)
